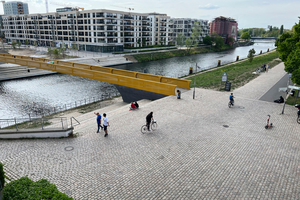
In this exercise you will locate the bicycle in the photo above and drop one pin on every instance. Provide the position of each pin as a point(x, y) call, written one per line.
point(153, 126)
point(231, 103)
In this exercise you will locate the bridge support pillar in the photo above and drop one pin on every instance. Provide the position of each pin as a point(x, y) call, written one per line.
point(131, 94)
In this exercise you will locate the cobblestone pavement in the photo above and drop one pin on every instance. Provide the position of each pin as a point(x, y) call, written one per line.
point(190, 156)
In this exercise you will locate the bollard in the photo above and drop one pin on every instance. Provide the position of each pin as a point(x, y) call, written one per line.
point(219, 62)
point(191, 70)
point(260, 51)
point(237, 58)
point(178, 94)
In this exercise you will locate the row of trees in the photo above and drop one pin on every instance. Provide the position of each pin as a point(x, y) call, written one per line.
point(260, 32)
point(215, 40)
point(288, 46)
point(193, 40)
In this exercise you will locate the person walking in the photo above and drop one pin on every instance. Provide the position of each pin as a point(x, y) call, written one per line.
point(148, 120)
point(98, 121)
point(267, 67)
point(105, 124)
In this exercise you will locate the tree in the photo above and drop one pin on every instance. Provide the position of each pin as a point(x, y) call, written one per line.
point(285, 45)
point(74, 46)
point(207, 40)
point(196, 30)
point(143, 42)
point(251, 55)
point(288, 46)
point(231, 40)
point(219, 42)
point(35, 43)
point(62, 49)
point(52, 44)
point(189, 43)
point(26, 42)
point(55, 53)
point(271, 28)
point(19, 44)
point(13, 44)
point(49, 51)
point(281, 30)
point(139, 42)
point(180, 39)
point(245, 36)
point(161, 41)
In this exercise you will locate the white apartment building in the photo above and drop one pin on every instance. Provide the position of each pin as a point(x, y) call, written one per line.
point(98, 30)
point(185, 26)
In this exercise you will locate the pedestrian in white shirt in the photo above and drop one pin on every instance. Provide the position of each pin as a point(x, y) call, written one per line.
point(105, 124)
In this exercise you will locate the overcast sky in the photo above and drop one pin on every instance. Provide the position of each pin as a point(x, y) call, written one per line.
point(248, 13)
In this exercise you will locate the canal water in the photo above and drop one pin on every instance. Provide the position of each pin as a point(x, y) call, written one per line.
point(21, 97)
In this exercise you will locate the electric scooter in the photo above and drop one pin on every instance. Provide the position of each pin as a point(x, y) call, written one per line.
point(269, 125)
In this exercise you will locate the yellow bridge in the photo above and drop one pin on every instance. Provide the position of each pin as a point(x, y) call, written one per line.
point(141, 81)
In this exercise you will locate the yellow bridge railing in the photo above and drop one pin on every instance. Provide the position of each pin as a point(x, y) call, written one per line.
point(148, 82)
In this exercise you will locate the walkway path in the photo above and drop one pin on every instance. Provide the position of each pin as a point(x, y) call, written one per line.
point(190, 156)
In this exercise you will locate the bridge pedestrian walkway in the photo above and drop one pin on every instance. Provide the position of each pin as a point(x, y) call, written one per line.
point(140, 81)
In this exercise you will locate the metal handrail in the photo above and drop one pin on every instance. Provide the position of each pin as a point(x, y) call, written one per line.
point(75, 120)
point(34, 123)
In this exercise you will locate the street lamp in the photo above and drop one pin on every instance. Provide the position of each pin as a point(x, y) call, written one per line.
point(195, 80)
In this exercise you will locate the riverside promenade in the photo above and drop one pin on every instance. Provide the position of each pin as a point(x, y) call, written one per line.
point(201, 150)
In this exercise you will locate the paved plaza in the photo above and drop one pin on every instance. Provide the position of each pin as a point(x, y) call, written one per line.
point(191, 155)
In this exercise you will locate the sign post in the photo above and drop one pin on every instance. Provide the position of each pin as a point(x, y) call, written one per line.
point(224, 78)
point(195, 81)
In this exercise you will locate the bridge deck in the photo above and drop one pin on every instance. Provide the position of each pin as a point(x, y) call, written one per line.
point(147, 82)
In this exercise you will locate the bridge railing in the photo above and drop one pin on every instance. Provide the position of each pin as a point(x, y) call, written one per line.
point(34, 111)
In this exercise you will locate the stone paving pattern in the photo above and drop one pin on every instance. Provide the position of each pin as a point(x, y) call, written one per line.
point(190, 156)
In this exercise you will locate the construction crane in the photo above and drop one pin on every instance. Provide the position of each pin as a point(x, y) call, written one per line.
point(46, 2)
point(124, 7)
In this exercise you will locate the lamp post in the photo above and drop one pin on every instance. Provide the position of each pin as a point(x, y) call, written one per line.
point(195, 81)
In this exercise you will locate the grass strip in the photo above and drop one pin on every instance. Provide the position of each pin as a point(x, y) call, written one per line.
point(238, 74)
point(175, 53)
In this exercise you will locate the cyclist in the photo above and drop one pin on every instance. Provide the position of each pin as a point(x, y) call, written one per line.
point(231, 98)
point(148, 120)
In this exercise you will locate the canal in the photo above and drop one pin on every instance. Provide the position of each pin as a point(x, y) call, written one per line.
point(21, 97)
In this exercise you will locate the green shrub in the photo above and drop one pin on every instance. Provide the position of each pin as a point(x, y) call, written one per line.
point(25, 188)
point(2, 180)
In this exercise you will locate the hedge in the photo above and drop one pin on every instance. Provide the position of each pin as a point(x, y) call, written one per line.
point(25, 188)
point(2, 180)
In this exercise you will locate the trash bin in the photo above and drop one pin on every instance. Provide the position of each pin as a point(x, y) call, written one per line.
point(227, 86)
point(178, 94)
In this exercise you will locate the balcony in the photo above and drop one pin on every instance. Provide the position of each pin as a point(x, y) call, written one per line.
point(112, 29)
point(128, 29)
point(114, 41)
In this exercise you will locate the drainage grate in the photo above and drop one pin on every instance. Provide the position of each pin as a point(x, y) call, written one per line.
point(69, 148)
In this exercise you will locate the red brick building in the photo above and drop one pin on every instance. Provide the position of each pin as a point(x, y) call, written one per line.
point(225, 27)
